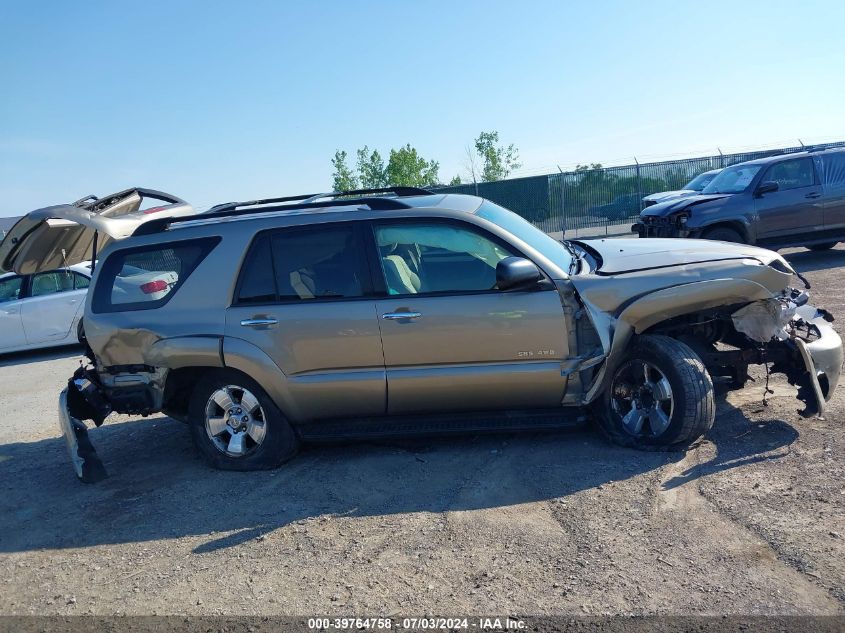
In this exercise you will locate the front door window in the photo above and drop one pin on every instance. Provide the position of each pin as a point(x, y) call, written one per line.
point(436, 258)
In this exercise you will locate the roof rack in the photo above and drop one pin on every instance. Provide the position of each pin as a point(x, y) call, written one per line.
point(819, 148)
point(356, 197)
point(314, 197)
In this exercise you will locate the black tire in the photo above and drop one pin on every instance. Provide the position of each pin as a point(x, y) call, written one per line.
point(693, 406)
point(822, 247)
point(280, 442)
point(723, 234)
point(80, 333)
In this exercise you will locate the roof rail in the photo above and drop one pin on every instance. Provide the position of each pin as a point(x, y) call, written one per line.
point(820, 148)
point(233, 209)
point(397, 191)
point(313, 197)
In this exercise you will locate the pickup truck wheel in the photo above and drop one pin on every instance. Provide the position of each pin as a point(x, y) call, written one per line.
point(723, 234)
point(822, 247)
point(236, 426)
point(660, 397)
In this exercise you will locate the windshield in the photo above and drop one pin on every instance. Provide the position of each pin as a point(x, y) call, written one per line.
point(701, 181)
point(549, 247)
point(733, 179)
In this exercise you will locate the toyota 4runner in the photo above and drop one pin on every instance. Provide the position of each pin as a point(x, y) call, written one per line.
point(398, 311)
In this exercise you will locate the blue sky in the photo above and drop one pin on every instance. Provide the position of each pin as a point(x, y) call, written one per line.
point(217, 101)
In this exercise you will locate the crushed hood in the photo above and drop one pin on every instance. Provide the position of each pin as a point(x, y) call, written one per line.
point(619, 256)
point(674, 205)
point(662, 196)
point(63, 235)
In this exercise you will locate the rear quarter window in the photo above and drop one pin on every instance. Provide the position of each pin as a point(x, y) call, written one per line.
point(147, 277)
point(833, 168)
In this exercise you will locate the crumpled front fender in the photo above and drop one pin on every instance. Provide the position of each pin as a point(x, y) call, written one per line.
point(643, 312)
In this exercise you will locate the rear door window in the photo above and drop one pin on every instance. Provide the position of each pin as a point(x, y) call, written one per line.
point(51, 283)
point(80, 281)
point(320, 262)
point(147, 277)
point(833, 168)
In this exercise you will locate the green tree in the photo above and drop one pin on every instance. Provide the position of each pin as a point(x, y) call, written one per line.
point(497, 160)
point(406, 167)
point(371, 169)
point(456, 180)
point(343, 178)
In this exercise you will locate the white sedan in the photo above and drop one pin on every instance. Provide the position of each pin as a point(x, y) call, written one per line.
point(42, 310)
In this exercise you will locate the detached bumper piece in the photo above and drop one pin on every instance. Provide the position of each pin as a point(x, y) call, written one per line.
point(800, 343)
point(819, 348)
point(83, 457)
point(82, 400)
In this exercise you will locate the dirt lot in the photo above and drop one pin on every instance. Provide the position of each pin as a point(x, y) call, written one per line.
point(752, 521)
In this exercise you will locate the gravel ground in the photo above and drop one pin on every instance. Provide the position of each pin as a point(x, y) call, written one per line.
point(752, 521)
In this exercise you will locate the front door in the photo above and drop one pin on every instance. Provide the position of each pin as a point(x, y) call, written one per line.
point(11, 326)
point(304, 298)
point(796, 207)
point(452, 341)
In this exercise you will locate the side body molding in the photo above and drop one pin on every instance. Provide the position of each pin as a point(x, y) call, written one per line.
point(185, 351)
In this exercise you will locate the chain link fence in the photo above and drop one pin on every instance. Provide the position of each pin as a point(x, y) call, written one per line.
point(597, 202)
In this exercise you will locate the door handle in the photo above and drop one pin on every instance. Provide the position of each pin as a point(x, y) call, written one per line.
point(259, 321)
point(396, 316)
point(814, 194)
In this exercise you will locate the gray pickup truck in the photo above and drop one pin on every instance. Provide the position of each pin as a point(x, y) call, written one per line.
point(776, 202)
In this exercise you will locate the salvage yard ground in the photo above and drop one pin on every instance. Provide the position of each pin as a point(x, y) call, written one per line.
point(751, 521)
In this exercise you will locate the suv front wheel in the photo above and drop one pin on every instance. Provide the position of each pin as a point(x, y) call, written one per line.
point(236, 426)
point(661, 396)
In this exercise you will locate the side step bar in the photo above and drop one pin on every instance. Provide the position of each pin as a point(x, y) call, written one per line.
point(439, 425)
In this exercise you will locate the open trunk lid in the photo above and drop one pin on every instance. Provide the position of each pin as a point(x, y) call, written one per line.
point(64, 234)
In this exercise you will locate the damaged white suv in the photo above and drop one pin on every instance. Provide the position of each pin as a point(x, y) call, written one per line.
point(399, 312)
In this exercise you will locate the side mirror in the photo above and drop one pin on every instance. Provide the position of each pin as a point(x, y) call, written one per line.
point(513, 273)
point(767, 187)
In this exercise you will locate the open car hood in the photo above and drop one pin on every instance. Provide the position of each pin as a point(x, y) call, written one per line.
point(63, 235)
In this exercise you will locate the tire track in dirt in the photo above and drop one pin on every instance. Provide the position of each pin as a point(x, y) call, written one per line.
point(734, 540)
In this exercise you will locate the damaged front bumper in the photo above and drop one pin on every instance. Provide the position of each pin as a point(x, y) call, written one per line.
point(800, 342)
point(821, 350)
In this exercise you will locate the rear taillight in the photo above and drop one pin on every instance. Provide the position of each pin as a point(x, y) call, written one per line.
point(153, 286)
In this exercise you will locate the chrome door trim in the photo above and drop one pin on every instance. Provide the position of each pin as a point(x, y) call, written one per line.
point(259, 321)
point(396, 316)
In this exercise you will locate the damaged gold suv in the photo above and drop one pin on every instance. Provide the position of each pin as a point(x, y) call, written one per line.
point(396, 312)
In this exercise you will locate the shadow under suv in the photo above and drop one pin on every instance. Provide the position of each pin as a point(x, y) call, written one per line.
point(396, 312)
point(777, 202)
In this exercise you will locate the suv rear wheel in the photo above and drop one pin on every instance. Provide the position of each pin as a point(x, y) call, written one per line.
point(661, 396)
point(236, 426)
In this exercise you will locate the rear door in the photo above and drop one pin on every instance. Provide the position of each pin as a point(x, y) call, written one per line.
point(53, 303)
point(304, 297)
point(11, 326)
point(452, 341)
point(832, 171)
point(796, 207)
